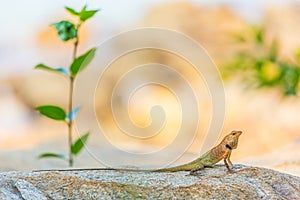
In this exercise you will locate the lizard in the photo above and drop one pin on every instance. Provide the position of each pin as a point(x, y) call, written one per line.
point(221, 151)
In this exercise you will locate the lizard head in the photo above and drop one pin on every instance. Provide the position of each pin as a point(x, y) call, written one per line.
point(231, 140)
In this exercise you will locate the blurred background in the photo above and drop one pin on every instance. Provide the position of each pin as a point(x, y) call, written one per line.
point(255, 45)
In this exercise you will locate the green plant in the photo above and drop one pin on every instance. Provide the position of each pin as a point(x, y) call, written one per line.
point(68, 31)
point(260, 64)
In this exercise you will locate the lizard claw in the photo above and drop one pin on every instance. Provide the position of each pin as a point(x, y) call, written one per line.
point(193, 173)
point(230, 171)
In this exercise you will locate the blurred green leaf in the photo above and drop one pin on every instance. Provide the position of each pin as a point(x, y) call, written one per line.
point(269, 73)
point(72, 11)
point(239, 37)
point(86, 14)
point(274, 49)
point(290, 79)
point(45, 67)
point(297, 56)
point(78, 145)
point(258, 34)
point(52, 112)
point(82, 62)
point(65, 30)
point(62, 71)
point(52, 155)
point(71, 116)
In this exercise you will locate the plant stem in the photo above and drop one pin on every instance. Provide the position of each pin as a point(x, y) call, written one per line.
point(70, 124)
point(76, 42)
point(75, 48)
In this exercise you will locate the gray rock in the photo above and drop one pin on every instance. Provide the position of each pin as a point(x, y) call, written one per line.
point(8, 195)
point(28, 191)
point(215, 183)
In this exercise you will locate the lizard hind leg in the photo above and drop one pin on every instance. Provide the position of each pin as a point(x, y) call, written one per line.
point(198, 167)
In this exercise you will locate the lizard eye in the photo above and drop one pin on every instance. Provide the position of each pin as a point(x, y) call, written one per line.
point(233, 133)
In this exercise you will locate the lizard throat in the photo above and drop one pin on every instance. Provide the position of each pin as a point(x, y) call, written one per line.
point(228, 147)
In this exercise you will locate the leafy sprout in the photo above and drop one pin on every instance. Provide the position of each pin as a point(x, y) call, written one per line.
point(69, 31)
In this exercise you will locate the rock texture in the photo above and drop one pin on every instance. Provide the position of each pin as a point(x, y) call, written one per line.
point(215, 183)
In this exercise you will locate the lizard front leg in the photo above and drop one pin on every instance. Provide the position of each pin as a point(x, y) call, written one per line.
point(227, 158)
point(229, 161)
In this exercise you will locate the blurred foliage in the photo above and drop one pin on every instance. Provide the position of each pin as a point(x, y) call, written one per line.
point(261, 66)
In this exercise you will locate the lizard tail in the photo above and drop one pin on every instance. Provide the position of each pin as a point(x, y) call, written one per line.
point(186, 167)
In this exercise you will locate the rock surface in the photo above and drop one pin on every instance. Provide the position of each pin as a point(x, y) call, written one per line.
point(215, 183)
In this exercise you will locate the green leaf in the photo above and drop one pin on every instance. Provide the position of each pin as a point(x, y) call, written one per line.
point(65, 30)
point(274, 49)
point(72, 11)
point(239, 38)
point(83, 14)
point(258, 34)
point(82, 62)
point(86, 14)
point(60, 70)
point(73, 113)
point(298, 54)
point(63, 71)
point(290, 79)
point(79, 143)
point(52, 155)
point(52, 112)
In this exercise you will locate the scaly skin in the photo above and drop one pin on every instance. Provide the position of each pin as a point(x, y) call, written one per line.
point(213, 156)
